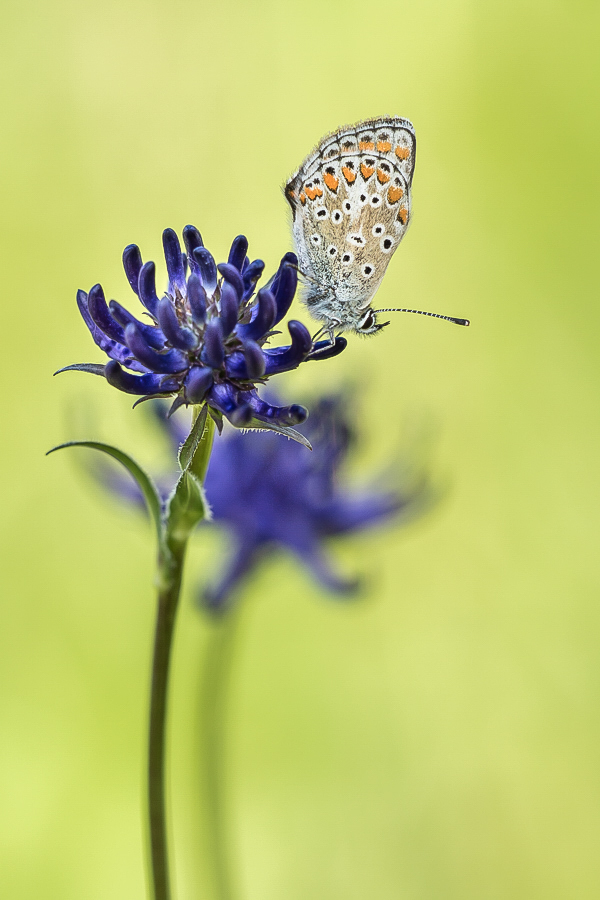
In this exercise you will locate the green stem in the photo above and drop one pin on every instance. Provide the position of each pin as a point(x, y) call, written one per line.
point(215, 685)
point(170, 573)
point(171, 557)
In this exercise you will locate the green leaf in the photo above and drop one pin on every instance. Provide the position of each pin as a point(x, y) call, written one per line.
point(286, 430)
point(93, 368)
point(190, 445)
point(186, 506)
point(145, 483)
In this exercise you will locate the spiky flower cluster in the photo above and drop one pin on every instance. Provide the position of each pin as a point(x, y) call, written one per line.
point(205, 338)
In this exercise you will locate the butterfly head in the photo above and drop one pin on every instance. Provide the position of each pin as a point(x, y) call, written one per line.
point(368, 323)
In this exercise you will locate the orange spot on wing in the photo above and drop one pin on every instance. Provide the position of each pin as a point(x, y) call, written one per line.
point(394, 193)
point(331, 181)
point(384, 146)
point(311, 193)
point(302, 198)
point(366, 171)
point(349, 174)
point(403, 215)
point(366, 145)
point(382, 176)
point(402, 152)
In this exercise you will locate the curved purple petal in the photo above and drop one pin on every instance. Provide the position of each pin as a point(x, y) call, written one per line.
point(164, 363)
point(207, 269)
point(102, 317)
point(250, 275)
point(153, 336)
point(147, 288)
point(113, 349)
point(132, 263)
point(254, 359)
point(283, 359)
point(138, 384)
point(327, 350)
point(197, 299)
point(238, 251)
point(224, 397)
point(198, 381)
point(284, 284)
point(232, 277)
point(229, 307)
point(266, 313)
point(213, 352)
point(174, 260)
point(232, 403)
point(192, 239)
point(280, 415)
point(181, 338)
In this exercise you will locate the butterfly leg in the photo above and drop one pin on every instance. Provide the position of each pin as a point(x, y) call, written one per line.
point(329, 330)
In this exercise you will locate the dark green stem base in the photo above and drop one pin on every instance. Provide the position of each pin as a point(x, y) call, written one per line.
point(170, 574)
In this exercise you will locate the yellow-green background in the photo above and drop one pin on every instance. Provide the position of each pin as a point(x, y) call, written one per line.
point(439, 739)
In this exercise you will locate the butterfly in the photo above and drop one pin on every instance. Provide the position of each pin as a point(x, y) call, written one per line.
point(351, 205)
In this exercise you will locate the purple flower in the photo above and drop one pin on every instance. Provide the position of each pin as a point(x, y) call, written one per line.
point(269, 493)
point(205, 339)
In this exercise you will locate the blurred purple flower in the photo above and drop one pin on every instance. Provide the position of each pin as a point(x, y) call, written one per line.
point(205, 339)
point(269, 493)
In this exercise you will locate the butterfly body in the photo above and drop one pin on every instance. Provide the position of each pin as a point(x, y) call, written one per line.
point(351, 205)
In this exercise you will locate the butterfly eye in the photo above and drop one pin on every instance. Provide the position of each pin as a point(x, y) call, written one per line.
point(367, 322)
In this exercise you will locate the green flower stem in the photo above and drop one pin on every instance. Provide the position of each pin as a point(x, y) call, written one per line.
point(171, 558)
point(170, 573)
point(213, 700)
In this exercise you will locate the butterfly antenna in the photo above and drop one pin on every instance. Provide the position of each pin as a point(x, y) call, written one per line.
point(421, 312)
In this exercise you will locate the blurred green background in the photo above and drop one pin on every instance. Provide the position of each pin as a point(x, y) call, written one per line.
point(440, 738)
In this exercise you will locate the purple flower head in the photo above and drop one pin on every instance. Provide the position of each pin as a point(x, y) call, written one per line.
point(270, 494)
point(205, 340)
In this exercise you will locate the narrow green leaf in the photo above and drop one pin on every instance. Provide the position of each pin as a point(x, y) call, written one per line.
point(143, 480)
point(186, 507)
point(201, 457)
point(93, 368)
point(286, 430)
point(190, 445)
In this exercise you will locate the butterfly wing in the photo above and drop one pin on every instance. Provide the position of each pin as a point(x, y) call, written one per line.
point(351, 203)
